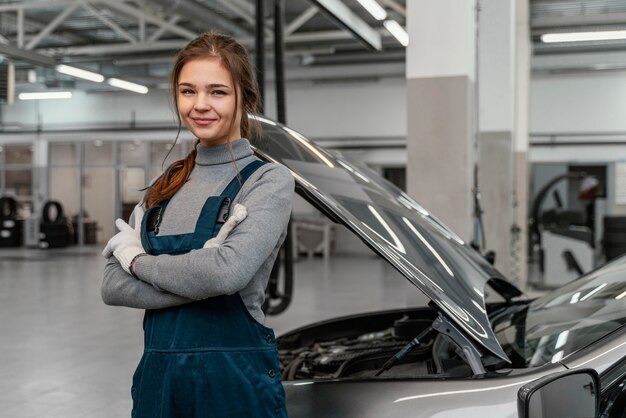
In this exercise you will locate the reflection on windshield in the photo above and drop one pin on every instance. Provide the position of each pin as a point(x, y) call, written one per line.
point(565, 320)
point(397, 244)
point(432, 250)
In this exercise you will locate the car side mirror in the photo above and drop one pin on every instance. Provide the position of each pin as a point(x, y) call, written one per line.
point(561, 395)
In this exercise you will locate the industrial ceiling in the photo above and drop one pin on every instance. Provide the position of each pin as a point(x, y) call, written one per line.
point(135, 40)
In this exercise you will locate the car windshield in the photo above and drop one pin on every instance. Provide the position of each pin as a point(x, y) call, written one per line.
point(564, 320)
point(426, 252)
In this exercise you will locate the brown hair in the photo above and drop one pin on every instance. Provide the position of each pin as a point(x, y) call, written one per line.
point(234, 57)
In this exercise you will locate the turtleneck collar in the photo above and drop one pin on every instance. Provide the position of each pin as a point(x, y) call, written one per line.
point(219, 154)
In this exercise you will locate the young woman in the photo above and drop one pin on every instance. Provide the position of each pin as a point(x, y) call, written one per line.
point(207, 352)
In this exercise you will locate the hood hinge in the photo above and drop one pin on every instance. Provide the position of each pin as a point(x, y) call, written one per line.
point(471, 354)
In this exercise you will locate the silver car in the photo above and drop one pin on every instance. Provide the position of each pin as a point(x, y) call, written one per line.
point(459, 356)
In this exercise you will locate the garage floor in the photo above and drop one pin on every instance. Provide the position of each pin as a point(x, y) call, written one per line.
point(65, 354)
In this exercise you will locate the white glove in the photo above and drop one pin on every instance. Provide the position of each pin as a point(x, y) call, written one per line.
point(137, 218)
point(126, 245)
point(239, 214)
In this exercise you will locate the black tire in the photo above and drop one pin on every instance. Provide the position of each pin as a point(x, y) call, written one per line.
point(614, 252)
point(8, 208)
point(55, 235)
point(11, 233)
point(615, 222)
point(45, 215)
point(611, 238)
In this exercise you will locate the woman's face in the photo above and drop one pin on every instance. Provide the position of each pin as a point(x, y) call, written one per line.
point(206, 101)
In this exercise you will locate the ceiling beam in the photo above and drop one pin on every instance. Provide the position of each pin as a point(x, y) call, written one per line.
point(300, 20)
point(346, 18)
point(203, 15)
point(330, 35)
point(117, 5)
point(161, 30)
point(23, 23)
point(117, 48)
point(240, 8)
point(244, 10)
point(142, 29)
point(52, 25)
point(108, 22)
point(552, 22)
point(394, 5)
point(27, 56)
point(20, 28)
point(149, 17)
point(34, 5)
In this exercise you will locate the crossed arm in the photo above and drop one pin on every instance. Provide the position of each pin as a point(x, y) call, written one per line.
point(167, 280)
point(121, 288)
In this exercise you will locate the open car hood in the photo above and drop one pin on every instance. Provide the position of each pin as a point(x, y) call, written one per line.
point(425, 251)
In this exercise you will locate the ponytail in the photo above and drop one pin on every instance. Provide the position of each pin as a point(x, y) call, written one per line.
point(171, 180)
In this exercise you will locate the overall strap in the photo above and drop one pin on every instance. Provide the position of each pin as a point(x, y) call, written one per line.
point(216, 209)
point(214, 213)
point(235, 184)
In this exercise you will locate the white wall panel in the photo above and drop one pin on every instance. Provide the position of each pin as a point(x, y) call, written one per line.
point(90, 109)
point(348, 109)
point(591, 102)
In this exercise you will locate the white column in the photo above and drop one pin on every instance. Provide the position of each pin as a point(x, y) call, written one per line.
point(440, 66)
point(445, 71)
point(496, 92)
point(522, 89)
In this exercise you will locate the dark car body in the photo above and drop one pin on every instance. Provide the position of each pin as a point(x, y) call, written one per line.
point(461, 355)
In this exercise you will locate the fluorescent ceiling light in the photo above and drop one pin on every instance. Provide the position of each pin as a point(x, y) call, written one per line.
point(374, 8)
point(77, 72)
point(397, 31)
point(46, 95)
point(608, 35)
point(127, 85)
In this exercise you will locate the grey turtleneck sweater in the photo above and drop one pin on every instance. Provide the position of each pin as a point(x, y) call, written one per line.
point(241, 264)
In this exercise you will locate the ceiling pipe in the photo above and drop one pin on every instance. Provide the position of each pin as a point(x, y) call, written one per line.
point(260, 50)
point(279, 64)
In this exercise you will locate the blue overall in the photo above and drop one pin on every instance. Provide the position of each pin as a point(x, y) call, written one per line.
point(208, 358)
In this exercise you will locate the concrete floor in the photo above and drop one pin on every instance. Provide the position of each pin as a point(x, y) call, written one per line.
point(66, 354)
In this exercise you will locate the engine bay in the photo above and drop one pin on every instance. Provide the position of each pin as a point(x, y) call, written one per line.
point(358, 347)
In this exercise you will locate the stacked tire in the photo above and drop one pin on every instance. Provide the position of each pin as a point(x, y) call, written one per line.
point(55, 231)
point(614, 237)
point(11, 228)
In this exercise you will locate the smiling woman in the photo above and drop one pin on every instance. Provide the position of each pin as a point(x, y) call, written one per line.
point(201, 250)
